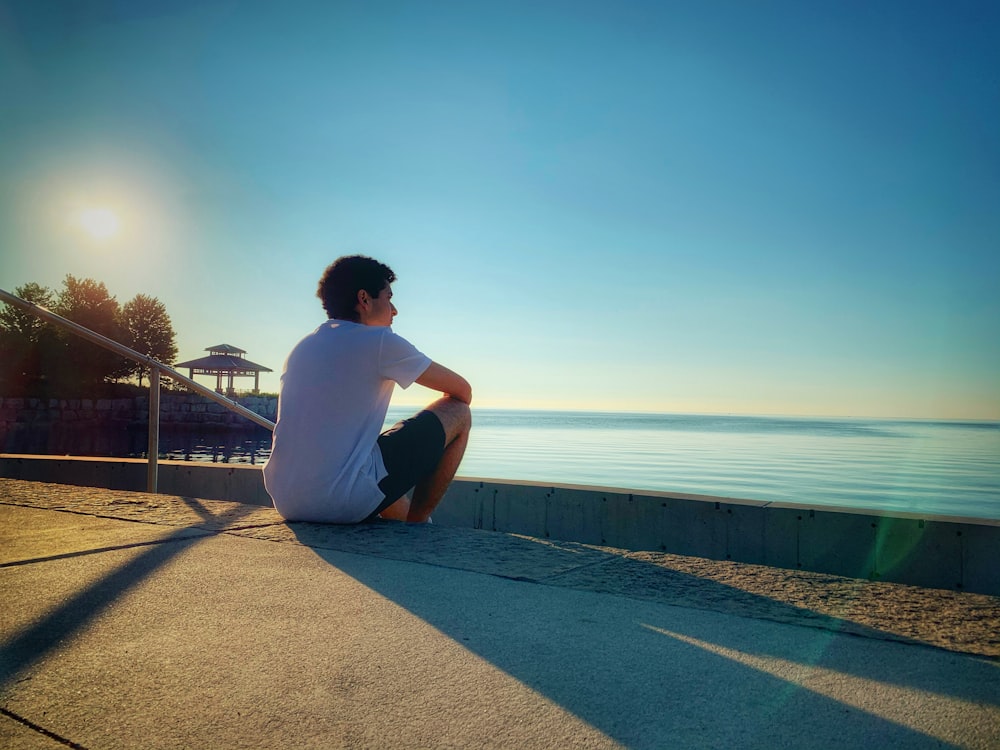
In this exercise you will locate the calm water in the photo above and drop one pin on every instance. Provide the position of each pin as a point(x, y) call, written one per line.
point(950, 468)
point(933, 467)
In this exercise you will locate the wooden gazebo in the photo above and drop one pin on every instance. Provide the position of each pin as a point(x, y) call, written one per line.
point(225, 361)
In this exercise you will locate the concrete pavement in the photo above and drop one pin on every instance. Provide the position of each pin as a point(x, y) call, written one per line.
point(155, 621)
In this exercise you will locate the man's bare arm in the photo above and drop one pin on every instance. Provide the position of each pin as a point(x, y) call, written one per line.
point(440, 378)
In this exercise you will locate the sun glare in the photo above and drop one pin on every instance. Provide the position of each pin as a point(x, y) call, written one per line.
point(100, 223)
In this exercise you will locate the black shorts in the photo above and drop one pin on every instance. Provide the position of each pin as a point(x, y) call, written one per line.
point(411, 450)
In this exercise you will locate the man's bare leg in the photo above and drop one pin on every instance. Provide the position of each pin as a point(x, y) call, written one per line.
point(456, 418)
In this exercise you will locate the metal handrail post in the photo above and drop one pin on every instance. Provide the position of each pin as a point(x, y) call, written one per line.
point(153, 450)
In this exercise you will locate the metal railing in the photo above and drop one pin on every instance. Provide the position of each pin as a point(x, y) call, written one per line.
point(155, 368)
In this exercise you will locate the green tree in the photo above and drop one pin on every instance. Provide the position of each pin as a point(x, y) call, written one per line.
point(30, 346)
point(88, 303)
point(21, 322)
point(148, 330)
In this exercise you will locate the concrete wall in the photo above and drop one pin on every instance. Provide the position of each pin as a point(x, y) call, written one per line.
point(936, 552)
point(175, 409)
point(118, 427)
point(240, 482)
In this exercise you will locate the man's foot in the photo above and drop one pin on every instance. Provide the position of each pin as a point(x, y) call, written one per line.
point(398, 511)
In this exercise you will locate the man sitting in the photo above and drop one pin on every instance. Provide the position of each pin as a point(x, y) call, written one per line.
point(328, 461)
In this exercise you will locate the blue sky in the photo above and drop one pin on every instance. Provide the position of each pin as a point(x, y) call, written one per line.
point(767, 207)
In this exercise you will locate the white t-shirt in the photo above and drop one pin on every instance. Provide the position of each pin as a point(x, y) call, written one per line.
point(325, 463)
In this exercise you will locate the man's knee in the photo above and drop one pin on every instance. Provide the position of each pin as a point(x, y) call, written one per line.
point(465, 415)
point(455, 416)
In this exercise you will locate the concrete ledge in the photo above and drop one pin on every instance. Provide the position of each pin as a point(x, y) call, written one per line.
point(240, 482)
point(930, 551)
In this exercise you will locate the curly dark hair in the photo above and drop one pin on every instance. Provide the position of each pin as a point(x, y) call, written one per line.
point(345, 277)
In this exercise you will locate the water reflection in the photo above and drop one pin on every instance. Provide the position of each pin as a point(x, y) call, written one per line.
point(242, 447)
point(251, 445)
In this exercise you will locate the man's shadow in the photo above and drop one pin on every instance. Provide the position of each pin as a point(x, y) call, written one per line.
point(643, 673)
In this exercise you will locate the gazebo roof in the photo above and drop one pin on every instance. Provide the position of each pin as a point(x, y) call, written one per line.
point(223, 363)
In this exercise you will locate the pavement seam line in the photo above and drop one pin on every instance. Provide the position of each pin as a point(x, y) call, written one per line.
point(88, 514)
point(81, 513)
point(98, 550)
point(41, 730)
point(233, 529)
point(576, 569)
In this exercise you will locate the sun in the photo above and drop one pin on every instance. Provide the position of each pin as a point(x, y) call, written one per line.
point(99, 223)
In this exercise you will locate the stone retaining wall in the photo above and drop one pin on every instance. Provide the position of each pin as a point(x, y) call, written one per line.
point(175, 409)
point(116, 426)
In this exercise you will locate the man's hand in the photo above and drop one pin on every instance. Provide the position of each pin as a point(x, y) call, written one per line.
point(440, 378)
